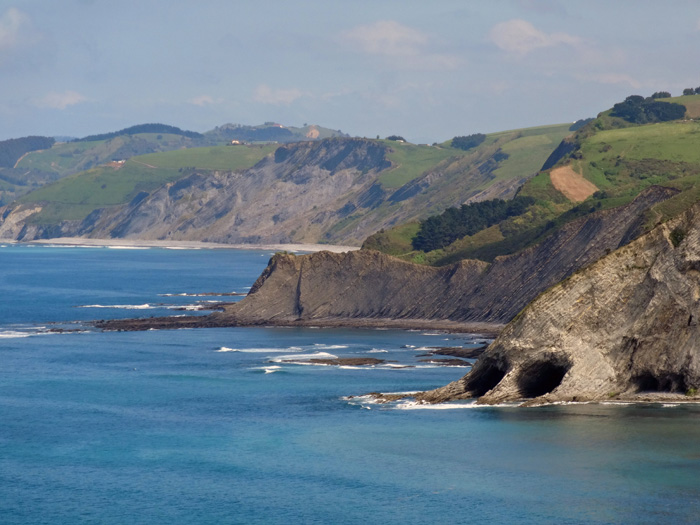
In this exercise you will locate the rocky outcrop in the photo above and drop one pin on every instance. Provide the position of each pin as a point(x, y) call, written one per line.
point(625, 328)
point(293, 195)
point(371, 285)
point(323, 191)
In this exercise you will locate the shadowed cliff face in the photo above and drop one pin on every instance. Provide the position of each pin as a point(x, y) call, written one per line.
point(624, 328)
point(368, 284)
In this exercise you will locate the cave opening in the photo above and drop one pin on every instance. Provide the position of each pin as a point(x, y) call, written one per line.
point(485, 377)
point(543, 376)
point(664, 382)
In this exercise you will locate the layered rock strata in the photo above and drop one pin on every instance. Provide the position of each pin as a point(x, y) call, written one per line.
point(625, 328)
point(370, 285)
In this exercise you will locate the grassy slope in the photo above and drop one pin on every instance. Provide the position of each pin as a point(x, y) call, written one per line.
point(621, 161)
point(212, 158)
point(74, 197)
point(527, 150)
point(412, 160)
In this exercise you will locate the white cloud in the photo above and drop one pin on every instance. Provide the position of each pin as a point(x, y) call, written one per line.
point(12, 24)
point(205, 100)
point(405, 46)
point(54, 100)
point(611, 78)
point(386, 38)
point(521, 37)
point(277, 97)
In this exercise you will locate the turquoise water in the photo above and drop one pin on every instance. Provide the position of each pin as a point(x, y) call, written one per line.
point(216, 426)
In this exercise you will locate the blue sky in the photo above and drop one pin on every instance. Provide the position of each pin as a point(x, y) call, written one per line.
point(424, 70)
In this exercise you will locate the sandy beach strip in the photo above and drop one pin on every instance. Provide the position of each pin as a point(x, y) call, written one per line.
point(188, 245)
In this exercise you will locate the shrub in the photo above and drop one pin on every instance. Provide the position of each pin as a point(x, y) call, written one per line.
point(676, 237)
point(441, 230)
point(638, 110)
point(469, 141)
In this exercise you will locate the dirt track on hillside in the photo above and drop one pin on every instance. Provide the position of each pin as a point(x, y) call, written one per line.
point(572, 184)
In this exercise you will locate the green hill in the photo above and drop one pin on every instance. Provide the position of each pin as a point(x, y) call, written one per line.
point(610, 159)
point(75, 196)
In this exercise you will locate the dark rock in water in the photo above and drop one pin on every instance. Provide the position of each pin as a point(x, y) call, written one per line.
point(446, 362)
point(625, 328)
point(455, 351)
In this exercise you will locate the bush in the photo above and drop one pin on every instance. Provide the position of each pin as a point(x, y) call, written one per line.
point(638, 110)
point(676, 237)
point(396, 138)
point(441, 230)
point(469, 141)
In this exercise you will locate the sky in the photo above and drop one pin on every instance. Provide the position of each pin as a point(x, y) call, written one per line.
point(427, 71)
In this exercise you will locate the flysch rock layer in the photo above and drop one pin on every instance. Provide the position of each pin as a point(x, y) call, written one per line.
point(370, 285)
point(625, 328)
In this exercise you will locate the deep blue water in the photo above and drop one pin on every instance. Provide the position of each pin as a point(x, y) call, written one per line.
point(204, 426)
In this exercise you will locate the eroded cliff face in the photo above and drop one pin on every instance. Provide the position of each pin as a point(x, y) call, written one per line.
point(372, 285)
point(294, 195)
point(625, 328)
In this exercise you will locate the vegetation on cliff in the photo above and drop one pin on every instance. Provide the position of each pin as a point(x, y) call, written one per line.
point(618, 158)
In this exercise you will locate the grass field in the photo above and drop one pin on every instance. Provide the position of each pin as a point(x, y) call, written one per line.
point(229, 158)
point(75, 196)
point(529, 150)
point(60, 158)
point(412, 160)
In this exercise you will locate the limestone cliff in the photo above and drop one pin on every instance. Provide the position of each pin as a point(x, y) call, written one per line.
point(372, 285)
point(625, 328)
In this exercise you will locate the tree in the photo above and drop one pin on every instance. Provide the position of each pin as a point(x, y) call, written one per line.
point(661, 94)
point(468, 142)
point(638, 110)
point(396, 138)
point(441, 230)
point(689, 91)
point(697, 90)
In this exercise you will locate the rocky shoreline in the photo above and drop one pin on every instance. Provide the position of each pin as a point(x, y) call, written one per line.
point(221, 320)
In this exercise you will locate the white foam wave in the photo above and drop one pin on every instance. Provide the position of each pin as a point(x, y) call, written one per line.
point(145, 306)
point(258, 350)
point(321, 346)
point(378, 351)
point(11, 334)
point(414, 405)
point(300, 358)
point(128, 247)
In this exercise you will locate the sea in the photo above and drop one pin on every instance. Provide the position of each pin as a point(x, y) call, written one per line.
point(239, 425)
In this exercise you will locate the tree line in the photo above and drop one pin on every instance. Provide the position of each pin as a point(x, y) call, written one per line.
point(469, 141)
point(12, 150)
point(143, 128)
point(639, 110)
point(454, 223)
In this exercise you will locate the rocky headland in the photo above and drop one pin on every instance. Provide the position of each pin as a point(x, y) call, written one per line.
point(594, 315)
point(624, 329)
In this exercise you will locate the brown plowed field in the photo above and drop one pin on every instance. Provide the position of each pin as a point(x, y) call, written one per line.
point(572, 184)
